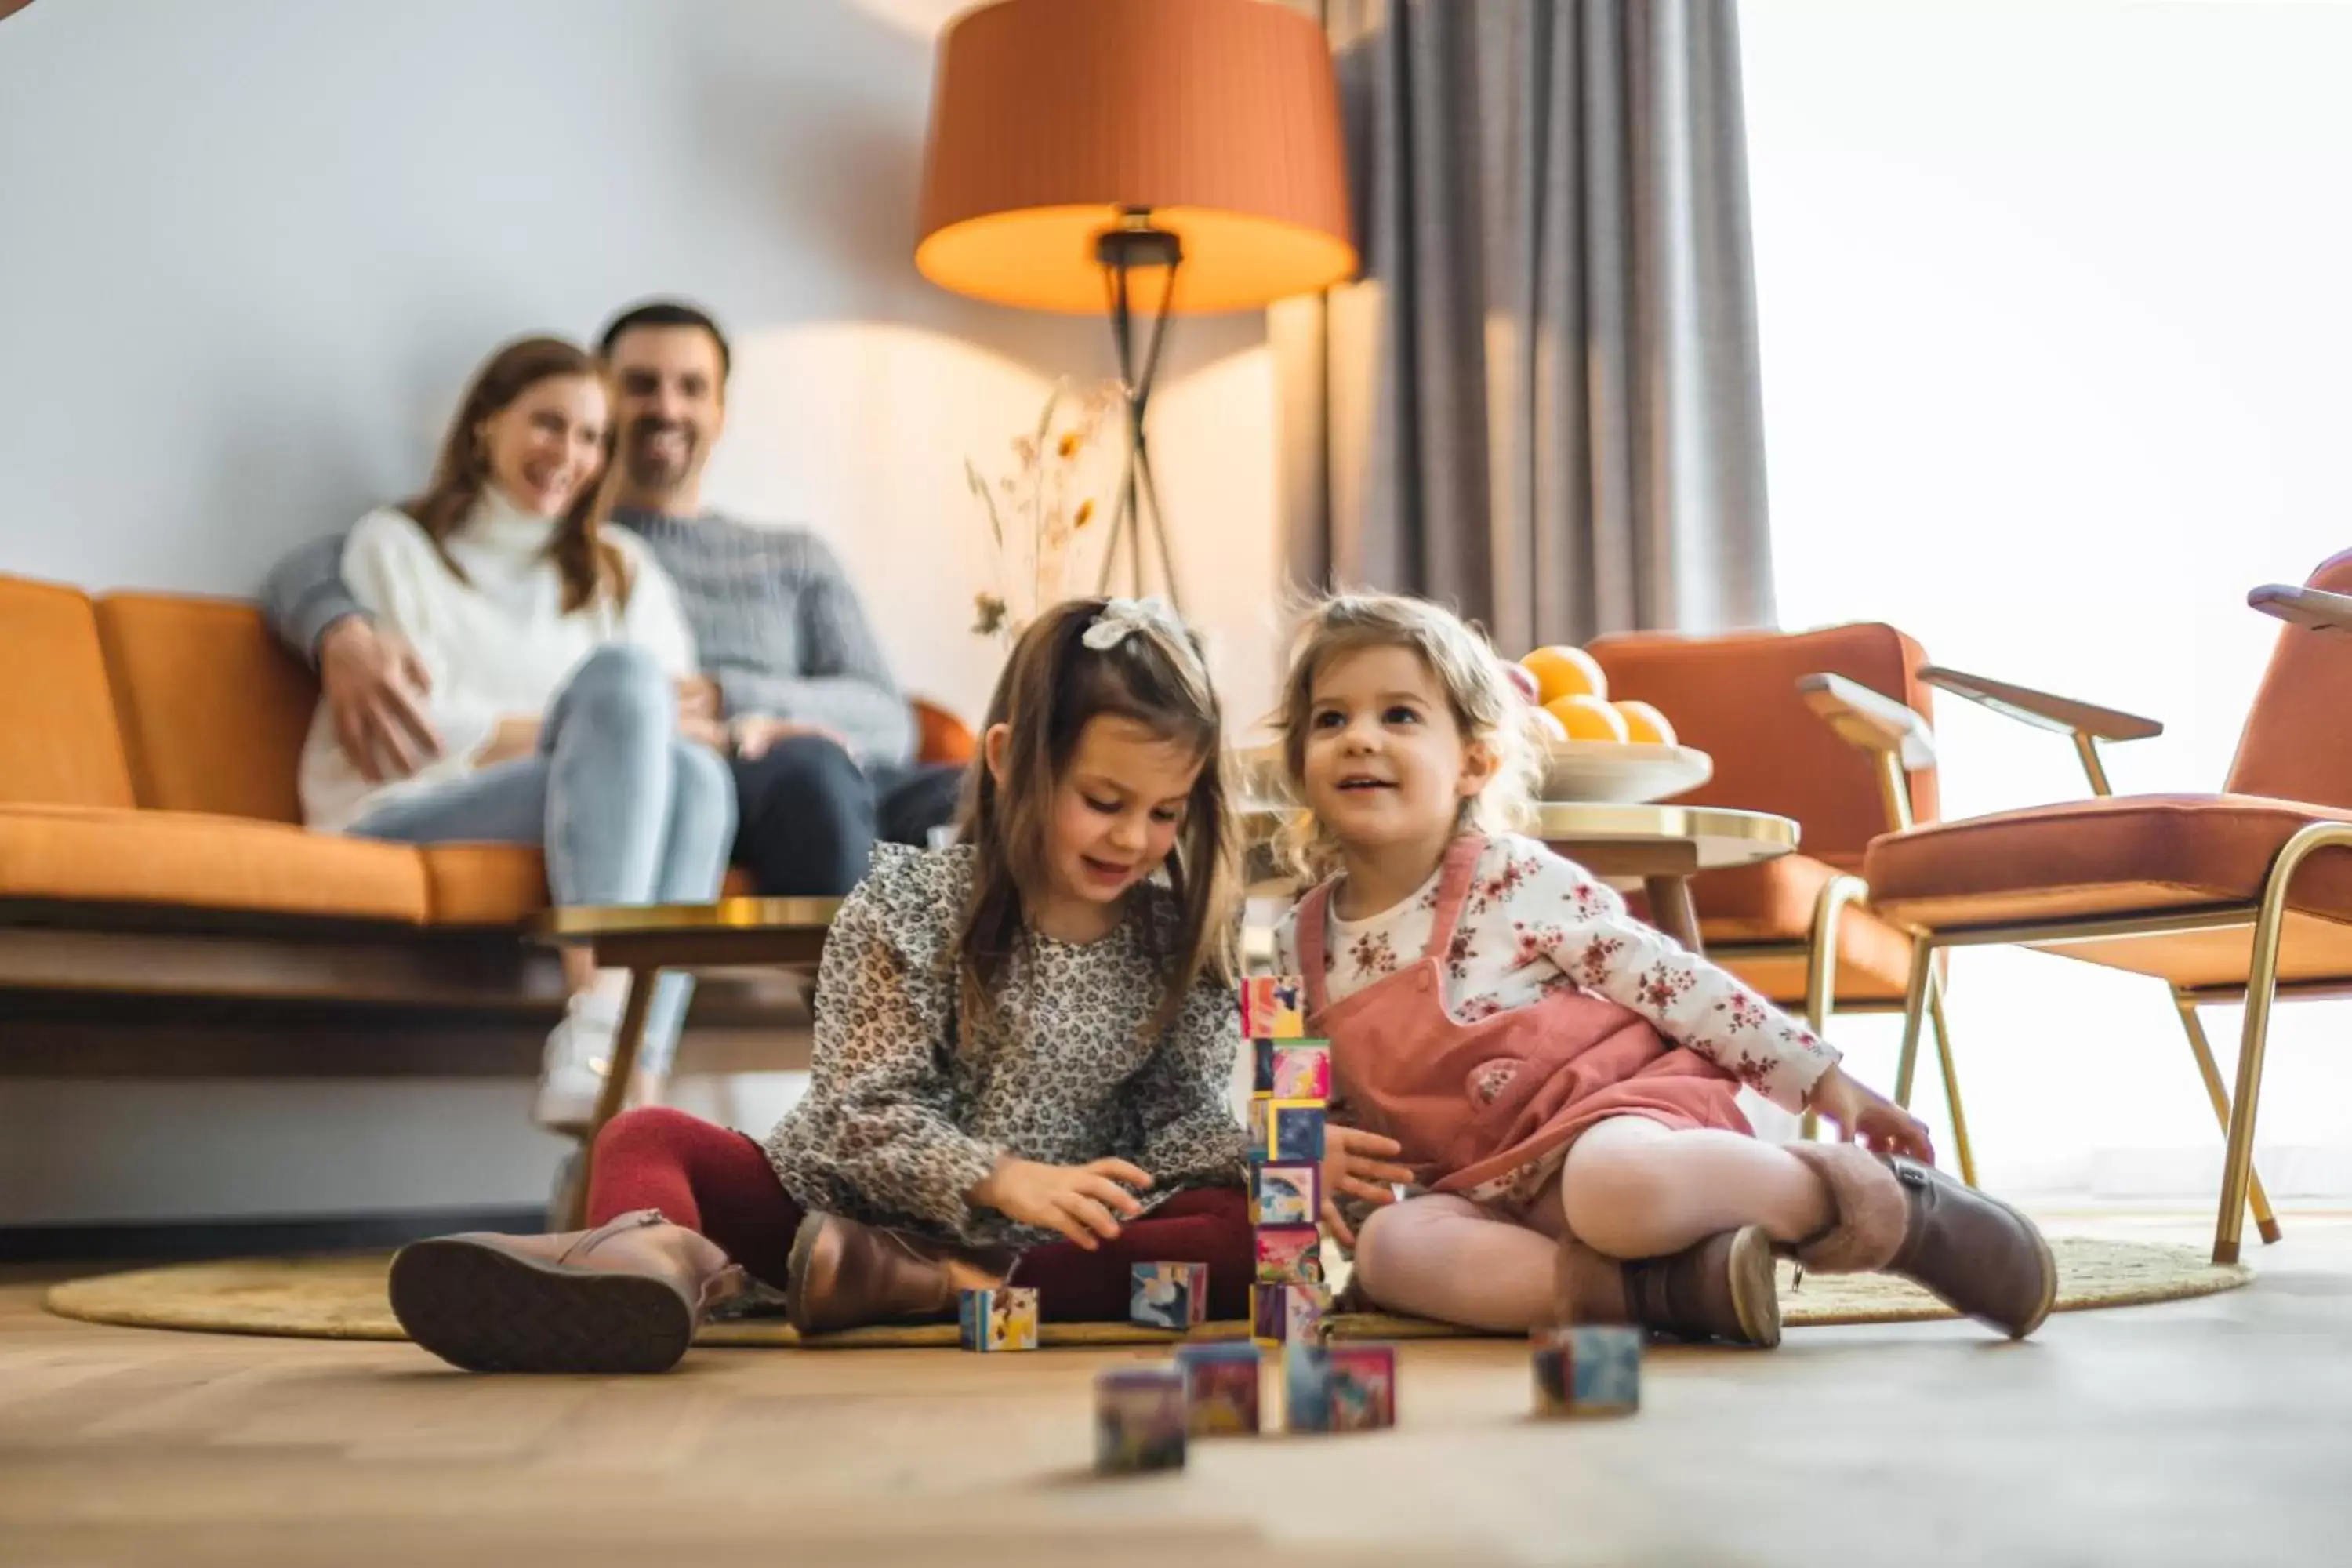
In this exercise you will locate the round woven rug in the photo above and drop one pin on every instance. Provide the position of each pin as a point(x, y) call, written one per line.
point(344, 1298)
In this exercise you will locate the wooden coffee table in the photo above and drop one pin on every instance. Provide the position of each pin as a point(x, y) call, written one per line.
point(646, 940)
point(1660, 847)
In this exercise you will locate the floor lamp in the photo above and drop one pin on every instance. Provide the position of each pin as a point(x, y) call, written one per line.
point(1146, 158)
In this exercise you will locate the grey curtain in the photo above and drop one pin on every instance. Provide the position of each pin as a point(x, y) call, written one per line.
point(1541, 404)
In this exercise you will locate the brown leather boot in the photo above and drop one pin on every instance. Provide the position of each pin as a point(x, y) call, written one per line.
point(844, 1274)
point(1719, 1288)
point(624, 1297)
point(1976, 1254)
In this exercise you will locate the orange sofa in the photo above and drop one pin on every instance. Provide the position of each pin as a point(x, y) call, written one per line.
point(154, 871)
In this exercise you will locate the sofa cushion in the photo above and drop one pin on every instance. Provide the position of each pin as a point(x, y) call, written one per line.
point(503, 884)
point(213, 710)
point(58, 740)
point(193, 860)
point(483, 884)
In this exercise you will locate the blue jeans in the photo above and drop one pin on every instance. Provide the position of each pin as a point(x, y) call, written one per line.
point(626, 809)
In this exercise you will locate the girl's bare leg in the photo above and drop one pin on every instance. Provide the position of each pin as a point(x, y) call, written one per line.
point(1633, 1188)
point(1447, 1258)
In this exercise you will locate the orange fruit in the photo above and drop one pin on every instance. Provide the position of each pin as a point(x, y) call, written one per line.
point(1564, 671)
point(1548, 727)
point(1586, 718)
point(1645, 724)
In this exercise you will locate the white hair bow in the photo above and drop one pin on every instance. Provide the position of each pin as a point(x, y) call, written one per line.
point(1119, 618)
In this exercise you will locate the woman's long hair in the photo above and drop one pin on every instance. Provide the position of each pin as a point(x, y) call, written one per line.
point(1051, 687)
point(590, 566)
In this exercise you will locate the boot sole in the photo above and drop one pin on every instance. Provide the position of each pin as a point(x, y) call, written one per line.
point(797, 1266)
point(1755, 1291)
point(486, 1310)
point(2048, 1273)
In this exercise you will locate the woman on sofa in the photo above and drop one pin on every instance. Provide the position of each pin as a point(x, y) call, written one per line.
point(552, 648)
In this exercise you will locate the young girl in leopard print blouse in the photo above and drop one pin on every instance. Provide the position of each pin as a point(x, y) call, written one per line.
point(1560, 1077)
point(1024, 1049)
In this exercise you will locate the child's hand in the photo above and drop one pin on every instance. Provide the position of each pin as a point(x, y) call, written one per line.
point(1864, 1116)
point(1080, 1201)
point(1355, 1162)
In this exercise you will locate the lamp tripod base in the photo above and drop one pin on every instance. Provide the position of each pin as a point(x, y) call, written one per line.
point(1137, 525)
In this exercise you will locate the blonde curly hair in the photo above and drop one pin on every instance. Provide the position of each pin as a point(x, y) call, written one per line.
point(1488, 709)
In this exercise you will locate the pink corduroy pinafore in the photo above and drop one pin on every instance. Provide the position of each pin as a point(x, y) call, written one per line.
point(1475, 1102)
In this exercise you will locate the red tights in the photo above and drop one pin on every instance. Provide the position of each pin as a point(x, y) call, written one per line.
point(719, 1183)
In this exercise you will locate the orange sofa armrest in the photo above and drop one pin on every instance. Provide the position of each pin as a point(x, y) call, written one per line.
point(941, 736)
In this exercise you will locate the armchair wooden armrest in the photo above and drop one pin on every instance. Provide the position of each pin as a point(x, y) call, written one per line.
point(1872, 722)
point(1869, 720)
point(2315, 608)
point(2041, 710)
point(2086, 724)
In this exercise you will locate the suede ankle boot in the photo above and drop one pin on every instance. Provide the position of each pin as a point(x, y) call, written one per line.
point(844, 1274)
point(624, 1297)
point(1718, 1288)
point(1975, 1254)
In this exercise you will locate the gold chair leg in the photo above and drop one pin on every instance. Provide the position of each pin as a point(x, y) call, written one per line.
point(1967, 1154)
point(2266, 1222)
point(1914, 1006)
point(1821, 967)
point(2262, 987)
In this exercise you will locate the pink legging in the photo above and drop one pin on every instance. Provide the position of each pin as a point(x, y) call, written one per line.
point(718, 1182)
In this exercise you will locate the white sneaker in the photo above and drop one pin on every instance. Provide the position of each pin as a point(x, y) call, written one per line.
point(572, 1069)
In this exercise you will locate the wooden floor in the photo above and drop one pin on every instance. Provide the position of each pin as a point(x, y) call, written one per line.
point(2213, 1432)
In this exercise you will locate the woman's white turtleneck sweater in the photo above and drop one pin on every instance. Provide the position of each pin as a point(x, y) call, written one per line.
point(496, 643)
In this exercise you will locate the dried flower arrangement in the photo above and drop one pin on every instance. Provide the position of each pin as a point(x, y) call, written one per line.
point(1033, 523)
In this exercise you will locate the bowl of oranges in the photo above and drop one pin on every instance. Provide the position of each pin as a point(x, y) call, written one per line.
point(1599, 750)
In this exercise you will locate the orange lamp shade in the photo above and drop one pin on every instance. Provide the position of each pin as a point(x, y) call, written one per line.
point(1051, 121)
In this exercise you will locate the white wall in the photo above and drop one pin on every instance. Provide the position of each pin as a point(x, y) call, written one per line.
point(248, 251)
point(2055, 311)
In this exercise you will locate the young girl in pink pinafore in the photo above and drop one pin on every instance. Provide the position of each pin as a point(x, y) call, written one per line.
point(1560, 1079)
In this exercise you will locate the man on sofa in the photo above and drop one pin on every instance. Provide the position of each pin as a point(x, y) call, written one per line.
point(822, 739)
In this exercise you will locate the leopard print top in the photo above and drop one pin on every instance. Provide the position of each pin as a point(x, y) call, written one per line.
point(902, 1118)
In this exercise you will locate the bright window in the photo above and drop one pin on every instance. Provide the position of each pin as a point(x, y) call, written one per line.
point(2056, 305)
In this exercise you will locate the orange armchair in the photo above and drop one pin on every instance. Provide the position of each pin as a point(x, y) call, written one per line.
point(1802, 930)
point(2228, 897)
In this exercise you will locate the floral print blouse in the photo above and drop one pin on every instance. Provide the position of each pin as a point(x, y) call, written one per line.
point(904, 1115)
point(1533, 921)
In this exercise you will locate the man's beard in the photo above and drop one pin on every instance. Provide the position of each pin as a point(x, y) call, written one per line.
point(650, 469)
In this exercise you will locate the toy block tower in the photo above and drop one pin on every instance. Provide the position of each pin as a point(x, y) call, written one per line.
point(1291, 1090)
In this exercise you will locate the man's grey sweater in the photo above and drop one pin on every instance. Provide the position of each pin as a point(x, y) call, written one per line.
point(776, 622)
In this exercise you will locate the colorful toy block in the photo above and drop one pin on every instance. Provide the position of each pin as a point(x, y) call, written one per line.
point(1287, 1314)
point(1289, 1255)
point(1170, 1295)
point(1139, 1419)
point(1338, 1388)
point(1286, 1194)
point(1293, 1131)
point(1274, 1007)
point(1221, 1388)
point(1004, 1319)
point(1291, 1070)
point(1590, 1369)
